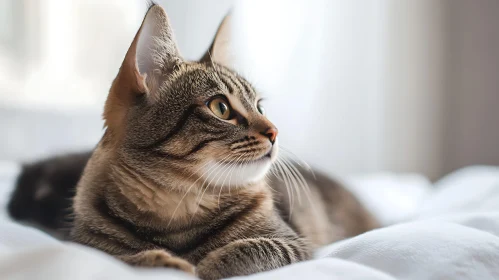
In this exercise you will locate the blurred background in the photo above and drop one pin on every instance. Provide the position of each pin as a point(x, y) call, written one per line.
point(355, 86)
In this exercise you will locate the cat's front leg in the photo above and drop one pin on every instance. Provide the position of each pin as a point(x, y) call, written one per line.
point(252, 255)
point(158, 258)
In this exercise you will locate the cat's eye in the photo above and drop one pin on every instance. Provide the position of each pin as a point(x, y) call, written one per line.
point(260, 108)
point(220, 107)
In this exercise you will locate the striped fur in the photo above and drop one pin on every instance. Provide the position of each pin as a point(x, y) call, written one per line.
point(172, 185)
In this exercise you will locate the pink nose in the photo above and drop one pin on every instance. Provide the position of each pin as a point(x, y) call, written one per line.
point(271, 133)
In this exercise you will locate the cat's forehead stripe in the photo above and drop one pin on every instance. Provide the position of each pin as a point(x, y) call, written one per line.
point(238, 84)
point(230, 78)
point(242, 88)
point(228, 83)
point(248, 88)
point(248, 92)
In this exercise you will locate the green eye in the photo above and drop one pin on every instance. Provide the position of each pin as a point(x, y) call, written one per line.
point(220, 107)
point(260, 109)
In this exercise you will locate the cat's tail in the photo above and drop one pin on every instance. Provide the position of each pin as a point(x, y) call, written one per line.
point(44, 191)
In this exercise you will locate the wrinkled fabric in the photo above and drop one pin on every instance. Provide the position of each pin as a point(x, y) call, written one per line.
point(453, 233)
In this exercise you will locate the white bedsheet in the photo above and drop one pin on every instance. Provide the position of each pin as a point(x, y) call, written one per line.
point(453, 233)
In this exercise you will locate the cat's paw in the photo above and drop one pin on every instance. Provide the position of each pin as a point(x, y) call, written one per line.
point(159, 258)
point(223, 263)
point(210, 271)
point(248, 256)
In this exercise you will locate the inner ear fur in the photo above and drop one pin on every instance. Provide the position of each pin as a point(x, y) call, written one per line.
point(151, 56)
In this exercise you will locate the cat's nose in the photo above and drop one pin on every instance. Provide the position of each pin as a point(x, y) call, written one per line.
point(271, 133)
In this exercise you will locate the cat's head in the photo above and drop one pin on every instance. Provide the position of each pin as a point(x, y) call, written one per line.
point(166, 116)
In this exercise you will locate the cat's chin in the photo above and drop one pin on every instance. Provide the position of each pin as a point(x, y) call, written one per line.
point(237, 175)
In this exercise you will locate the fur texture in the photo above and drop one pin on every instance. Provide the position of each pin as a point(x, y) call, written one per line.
point(175, 183)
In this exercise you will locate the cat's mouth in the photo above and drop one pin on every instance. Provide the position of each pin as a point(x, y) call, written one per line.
point(267, 156)
point(241, 173)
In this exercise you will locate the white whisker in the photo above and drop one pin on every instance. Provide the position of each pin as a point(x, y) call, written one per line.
point(288, 189)
point(188, 190)
point(213, 168)
point(293, 179)
point(300, 162)
point(226, 169)
point(301, 180)
point(304, 185)
point(231, 167)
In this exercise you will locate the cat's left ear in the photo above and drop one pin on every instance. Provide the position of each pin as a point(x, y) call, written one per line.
point(152, 56)
point(220, 50)
point(156, 48)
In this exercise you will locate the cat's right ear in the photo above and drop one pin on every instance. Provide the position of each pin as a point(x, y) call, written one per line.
point(152, 55)
point(220, 50)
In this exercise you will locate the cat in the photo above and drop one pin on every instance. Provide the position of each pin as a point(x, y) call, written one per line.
point(182, 177)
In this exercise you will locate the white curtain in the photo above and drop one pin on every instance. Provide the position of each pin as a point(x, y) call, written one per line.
point(354, 86)
point(362, 86)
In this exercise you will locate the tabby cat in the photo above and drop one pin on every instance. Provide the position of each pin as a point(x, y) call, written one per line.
point(181, 177)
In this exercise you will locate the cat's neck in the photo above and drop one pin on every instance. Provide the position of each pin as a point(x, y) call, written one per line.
point(179, 202)
point(172, 202)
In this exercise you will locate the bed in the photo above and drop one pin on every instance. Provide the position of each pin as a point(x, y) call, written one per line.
point(445, 230)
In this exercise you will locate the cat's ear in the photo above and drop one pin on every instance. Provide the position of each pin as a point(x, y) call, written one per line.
point(152, 55)
point(220, 50)
point(156, 49)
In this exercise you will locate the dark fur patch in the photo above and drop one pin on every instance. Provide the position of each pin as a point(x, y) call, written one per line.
point(44, 191)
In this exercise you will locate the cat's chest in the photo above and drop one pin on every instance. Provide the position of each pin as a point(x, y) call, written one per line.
point(243, 219)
